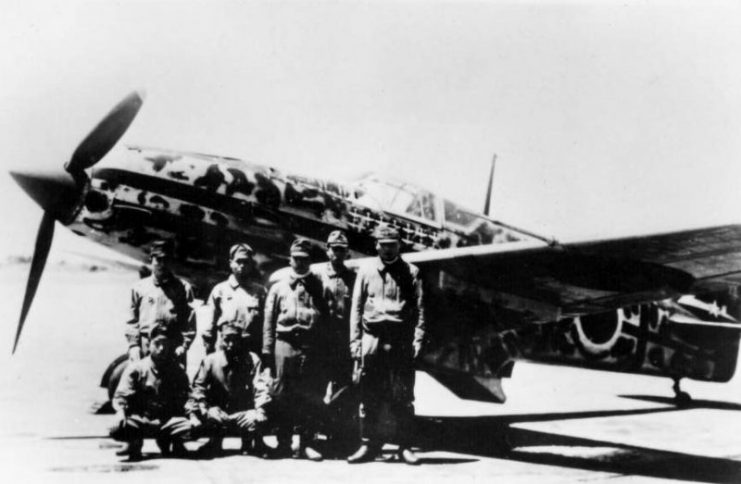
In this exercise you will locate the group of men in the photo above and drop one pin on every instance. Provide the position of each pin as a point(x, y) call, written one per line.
point(277, 360)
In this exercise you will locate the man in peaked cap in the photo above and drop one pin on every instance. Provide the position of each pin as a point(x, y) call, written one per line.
point(160, 299)
point(238, 300)
point(230, 394)
point(338, 281)
point(150, 399)
point(387, 328)
point(295, 311)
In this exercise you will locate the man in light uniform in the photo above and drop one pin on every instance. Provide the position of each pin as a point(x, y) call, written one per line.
point(160, 299)
point(230, 394)
point(295, 311)
point(387, 329)
point(238, 300)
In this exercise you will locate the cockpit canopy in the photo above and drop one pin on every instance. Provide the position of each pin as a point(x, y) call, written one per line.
point(410, 201)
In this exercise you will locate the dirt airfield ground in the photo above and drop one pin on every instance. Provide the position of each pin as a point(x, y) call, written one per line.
point(565, 425)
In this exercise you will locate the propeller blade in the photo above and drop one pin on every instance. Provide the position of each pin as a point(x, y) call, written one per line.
point(106, 134)
point(41, 252)
point(487, 203)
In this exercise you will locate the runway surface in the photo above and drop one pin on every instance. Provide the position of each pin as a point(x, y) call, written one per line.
point(561, 424)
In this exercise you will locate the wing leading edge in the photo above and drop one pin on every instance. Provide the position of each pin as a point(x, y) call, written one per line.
point(590, 277)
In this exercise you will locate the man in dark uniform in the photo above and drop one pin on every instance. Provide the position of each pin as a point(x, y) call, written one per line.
point(295, 311)
point(238, 300)
point(150, 398)
point(338, 281)
point(387, 329)
point(230, 394)
point(160, 299)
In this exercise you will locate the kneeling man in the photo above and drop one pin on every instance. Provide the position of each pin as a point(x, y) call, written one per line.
point(230, 393)
point(150, 399)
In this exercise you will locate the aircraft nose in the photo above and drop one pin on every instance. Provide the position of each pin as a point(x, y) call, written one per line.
point(55, 191)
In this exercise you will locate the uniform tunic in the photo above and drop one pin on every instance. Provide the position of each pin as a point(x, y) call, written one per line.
point(233, 386)
point(338, 287)
point(294, 311)
point(238, 305)
point(154, 303)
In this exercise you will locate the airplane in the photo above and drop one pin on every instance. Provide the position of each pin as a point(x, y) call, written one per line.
point(665, 305)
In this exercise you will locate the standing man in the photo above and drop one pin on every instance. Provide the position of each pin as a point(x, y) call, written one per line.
point(150, 399)
point(338, 281)
point(160, 300)
point(295, 312)
point(230, 394)
point(387, 329)
point(239, 300)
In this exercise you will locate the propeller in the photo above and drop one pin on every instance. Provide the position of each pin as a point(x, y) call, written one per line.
point(61, 193)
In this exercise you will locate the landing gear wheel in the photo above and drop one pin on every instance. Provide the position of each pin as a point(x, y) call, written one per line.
point(680, 397)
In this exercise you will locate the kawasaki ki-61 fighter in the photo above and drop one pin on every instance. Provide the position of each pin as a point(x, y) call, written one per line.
point(664, 305)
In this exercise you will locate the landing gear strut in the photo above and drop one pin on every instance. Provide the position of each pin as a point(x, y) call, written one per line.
point(680, 397)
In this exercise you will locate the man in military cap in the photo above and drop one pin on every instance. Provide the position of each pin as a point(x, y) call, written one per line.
point(150, 399)
point(230, 394)
point(160, 299)
point(295, 311)
point(338, 281)
point(238, 300)
point(387, 329)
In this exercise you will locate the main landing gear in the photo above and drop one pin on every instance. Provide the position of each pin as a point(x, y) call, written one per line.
point(680, 397)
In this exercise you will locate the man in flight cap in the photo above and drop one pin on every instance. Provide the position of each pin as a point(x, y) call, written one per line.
point(387, 329)
point(150, 399)
point(238, 300)
point(338, 281)
point(295, 311)
point(230, 394)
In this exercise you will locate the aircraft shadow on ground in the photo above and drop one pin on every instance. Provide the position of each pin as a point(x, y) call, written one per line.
point(496, 437)
point(704, 404)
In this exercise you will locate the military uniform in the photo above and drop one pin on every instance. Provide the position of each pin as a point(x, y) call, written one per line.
point(338, 286)
point(295, 312)
point(238, 389)
point(387, 328)
point(237, 304)
point(152, 399)
point(160, 303)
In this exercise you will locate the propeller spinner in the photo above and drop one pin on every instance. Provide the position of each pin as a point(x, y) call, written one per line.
point(61, 193)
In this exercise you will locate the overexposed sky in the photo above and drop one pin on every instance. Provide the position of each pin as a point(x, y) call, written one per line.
point(609, 118)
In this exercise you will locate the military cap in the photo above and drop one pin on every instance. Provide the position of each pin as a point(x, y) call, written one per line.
point(161, 248)
point(337, 237)
point(386, 233)
point(301, 247)
point(240, 250)
point(227, 327)
point(159, 330)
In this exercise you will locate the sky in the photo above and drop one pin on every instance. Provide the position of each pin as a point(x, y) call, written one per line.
point(608, 118)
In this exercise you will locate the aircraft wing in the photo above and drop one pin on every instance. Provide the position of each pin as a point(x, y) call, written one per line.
point(556, 281)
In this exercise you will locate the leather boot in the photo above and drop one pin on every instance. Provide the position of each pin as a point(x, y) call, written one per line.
point(366, 453)
point(178, 449)
point(210, 448)
point(409, 457)
point(133, 450)
point(312, 454)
